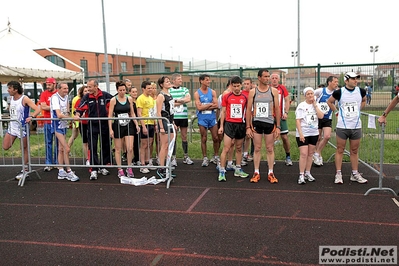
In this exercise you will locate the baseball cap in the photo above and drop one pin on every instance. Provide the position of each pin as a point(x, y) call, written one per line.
point(305, 90)
point(349, 75)
point(51, 80)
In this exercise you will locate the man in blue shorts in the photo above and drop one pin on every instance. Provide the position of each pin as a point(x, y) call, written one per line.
point(206, 104)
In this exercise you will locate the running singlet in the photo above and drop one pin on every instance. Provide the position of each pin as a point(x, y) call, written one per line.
point(235, 107)
point(205, 99)
point(263, 106)
point(167, 107)
point(19, 113)
point(180, 111)
point(322, 100)
point(59, 103)
point(122, 110)
point(349, 109)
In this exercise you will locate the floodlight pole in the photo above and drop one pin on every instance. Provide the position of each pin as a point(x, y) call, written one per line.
point(105, 49)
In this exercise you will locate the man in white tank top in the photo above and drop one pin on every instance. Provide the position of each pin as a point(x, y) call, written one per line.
point(351, 99)
point(19, 113)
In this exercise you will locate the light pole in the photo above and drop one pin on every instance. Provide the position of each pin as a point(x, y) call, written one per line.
point(373, 49)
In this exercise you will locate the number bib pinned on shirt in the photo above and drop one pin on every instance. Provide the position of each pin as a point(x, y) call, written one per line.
point(262, 110)
point(236, 111)
point(123, 122)
point(350, 109)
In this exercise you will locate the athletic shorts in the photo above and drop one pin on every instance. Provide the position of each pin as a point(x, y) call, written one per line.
point(181, 122)
point(207, 123)
point(284, 127)
point(165, 126)
point(352, 134)
point(309, 140)
point(325, 122)
point(234, 130)
point(151, 132)
point(83, 132)
point(123, 131)
point(262, 127)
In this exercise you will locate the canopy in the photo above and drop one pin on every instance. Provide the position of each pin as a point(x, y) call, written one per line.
point(18, 60)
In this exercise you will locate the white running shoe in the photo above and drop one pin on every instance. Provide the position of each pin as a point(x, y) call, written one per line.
point(358, 178)
point(301, 180)
point(338, 179)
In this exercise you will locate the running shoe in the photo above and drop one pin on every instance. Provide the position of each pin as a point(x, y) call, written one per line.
point(301, 180)
point(358, 178)
point(272, 179)
point(288, 161)
point(222, 176)
point(104, 171)
point(255, 178)
point(338, 179)
point(205, 162)
point(129, 172)
point(187, 160)
point(93, 175)
point(62, 174)
point(121, 173)
point(240, 173)
point(72, 177)
point(309, 177)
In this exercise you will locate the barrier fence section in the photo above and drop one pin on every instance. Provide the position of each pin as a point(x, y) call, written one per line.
point(14, 157)
point(78, 156)
point(371, 149)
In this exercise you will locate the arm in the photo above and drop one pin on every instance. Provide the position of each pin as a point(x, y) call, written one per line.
point(299, 128)
point(31, 104)
point(43, 105)
point(331, 104)
point(248, 118)
point(363, 104)
point(132, 114)
point(392, 104)
point(284, 115)
point(110, 114)
point(222, 118)
point(159, 102)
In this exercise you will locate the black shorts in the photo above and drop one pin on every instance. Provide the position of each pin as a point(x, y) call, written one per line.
point(262, 127)
point(165, 126)
point(83, 132)
point(181, 122)
point(234, 130)
point(150, 129)
point(325, 122)
point(123, 131)
point(309, 140)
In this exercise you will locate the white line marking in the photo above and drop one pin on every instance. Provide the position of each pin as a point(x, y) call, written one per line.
point(396, 202)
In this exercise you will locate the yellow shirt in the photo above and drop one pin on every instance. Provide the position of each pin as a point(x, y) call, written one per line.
point(74, 100)
point(147, 106)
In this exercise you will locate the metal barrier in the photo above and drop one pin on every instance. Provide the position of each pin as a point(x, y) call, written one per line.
point(371, 150)
point(77, 157)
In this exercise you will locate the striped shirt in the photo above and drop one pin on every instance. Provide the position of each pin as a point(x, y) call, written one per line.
point(179, 93)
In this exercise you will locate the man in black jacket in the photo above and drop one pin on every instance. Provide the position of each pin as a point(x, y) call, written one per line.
point(96, 103)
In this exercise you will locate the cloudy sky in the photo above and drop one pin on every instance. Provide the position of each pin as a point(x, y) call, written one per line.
point(252, 32)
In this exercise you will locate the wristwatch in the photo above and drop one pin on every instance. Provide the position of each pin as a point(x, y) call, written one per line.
point(278, 127)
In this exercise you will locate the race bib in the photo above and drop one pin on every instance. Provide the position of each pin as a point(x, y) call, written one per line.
point(350, 109)
point(235, 111)
point(206, 112)
point(179, 109)
point(123, 122)
point(262, 110)
point(312, 120)
point(324, 107)
point(13, 112)
point(152, 112)
point(172, 106)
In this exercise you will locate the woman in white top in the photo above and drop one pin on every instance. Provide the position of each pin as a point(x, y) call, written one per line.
point(307, 116)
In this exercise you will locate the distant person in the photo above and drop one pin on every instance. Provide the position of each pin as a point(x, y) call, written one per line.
point(181, 96)
point(5, 104)
point(96, 103)
point(307, 117)
point(59, 108)
point(369, 92)
point(263, 123)
point(49, 137)
point(351, 100)
point(325, 124)
point(284, 103)
point(20, 105)
point(206, 104)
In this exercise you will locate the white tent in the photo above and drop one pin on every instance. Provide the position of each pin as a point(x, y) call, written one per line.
point(18, 60)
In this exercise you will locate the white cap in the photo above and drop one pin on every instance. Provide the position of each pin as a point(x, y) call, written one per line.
point(305, 90)
point(349, 75)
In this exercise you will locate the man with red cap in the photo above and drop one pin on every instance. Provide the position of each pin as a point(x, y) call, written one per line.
point(49, 137)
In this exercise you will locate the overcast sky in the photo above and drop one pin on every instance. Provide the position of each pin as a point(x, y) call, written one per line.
point(251, 32)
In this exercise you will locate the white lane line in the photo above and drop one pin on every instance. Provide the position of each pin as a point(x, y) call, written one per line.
point(396, 201)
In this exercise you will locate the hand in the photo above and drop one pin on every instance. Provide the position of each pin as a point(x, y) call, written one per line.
point(162, 131)
point(111, 133)
point(220, 131)
point(382, 120)
point(301, 138)
point(250, 133)
point(276, 133)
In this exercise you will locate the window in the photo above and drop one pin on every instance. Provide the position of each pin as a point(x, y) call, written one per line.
point(103, 70)
point(56, 60)
point(123, 67)
point(83, 64)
